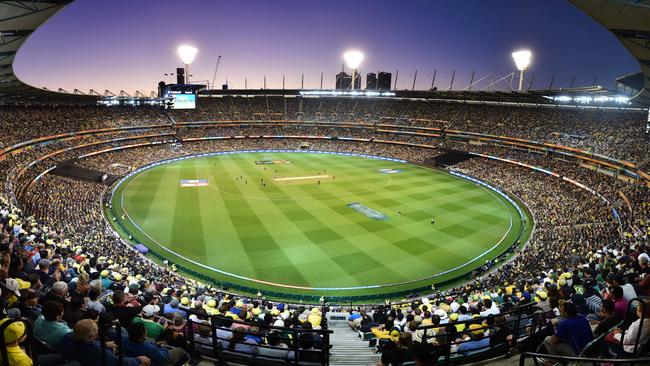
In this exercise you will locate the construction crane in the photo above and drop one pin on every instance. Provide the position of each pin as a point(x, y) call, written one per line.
point(216, 68)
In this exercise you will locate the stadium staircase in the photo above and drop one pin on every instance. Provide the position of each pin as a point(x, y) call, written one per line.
point(348, 349)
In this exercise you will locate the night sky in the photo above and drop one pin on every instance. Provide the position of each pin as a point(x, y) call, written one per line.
point(130, 44)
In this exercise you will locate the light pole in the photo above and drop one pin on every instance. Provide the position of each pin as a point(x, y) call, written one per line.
point(522, 60)
point(187, 54)
point(353, 59)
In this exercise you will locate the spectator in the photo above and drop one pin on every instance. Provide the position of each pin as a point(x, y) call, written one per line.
point(239, 343)
point(83, 347)
point(608, 317)
point(571, 335)
point(624, 344)
point(276, 348)
point(77, 309)
point(122, 309)
point(14, 335)
point(93, 301)
point(29, 307)
point(620, 304)
point(153, 329)
point(136, 345)
point(58, 293)
point(399, 351)
point(50, 327)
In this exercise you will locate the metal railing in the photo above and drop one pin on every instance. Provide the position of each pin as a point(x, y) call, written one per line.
point(514, 327)
point(639, 355)
point(224, 331)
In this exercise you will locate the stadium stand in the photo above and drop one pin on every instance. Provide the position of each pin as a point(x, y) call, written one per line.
point(74, 293)
point(580, 254)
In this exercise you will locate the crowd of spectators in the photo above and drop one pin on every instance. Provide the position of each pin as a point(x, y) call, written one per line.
point(64, 269)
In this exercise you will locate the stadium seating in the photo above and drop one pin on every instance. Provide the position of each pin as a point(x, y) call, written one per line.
point(590, 240)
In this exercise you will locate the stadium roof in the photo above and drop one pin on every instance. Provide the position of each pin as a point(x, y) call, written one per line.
point(18, 20)
point(629, 21)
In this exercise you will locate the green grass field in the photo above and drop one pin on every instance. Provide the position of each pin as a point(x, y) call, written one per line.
point(274, 227)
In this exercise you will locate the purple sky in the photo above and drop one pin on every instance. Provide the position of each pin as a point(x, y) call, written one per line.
point(129, 44)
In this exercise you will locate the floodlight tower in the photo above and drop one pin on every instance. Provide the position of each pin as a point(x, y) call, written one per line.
point(187, 54)
point(353, 59)
point(522, 60)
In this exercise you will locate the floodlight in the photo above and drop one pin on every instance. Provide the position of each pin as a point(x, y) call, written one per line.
point(187, 53)
point(353, 59)
point(522, 60)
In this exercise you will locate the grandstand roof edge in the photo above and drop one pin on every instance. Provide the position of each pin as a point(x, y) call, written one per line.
point(17, 25)
point(628, 22)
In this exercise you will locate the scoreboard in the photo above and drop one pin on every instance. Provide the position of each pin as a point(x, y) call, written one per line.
point(180, 100)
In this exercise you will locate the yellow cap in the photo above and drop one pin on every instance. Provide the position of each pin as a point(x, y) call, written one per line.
point(476, 329)
point(14, 331)
point(185, 301)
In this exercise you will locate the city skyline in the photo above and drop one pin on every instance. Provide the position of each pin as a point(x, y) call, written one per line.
point(124, 45)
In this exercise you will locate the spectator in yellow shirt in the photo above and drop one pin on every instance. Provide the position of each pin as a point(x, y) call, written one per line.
point(14, 335)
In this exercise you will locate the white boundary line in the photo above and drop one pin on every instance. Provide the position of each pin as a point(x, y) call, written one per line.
point(146, 167)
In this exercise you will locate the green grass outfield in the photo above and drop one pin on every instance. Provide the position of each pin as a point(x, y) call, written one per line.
point(273, 228)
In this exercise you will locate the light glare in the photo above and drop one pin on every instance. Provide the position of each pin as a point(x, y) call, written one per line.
point(187, 53)
point(522, 59)
point(353, 59)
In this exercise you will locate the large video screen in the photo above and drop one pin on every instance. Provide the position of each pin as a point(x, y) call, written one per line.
point(184, 101)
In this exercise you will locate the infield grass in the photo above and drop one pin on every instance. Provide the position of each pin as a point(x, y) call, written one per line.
point(290, 223)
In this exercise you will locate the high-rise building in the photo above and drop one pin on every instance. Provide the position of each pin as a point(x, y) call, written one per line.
point(384, 80)
point(343, 80)
point(180, 75)
point(371, 81)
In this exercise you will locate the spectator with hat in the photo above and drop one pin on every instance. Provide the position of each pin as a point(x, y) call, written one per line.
point(14, 335)
point(153, 328)
point(10, 291)
point(478, 340)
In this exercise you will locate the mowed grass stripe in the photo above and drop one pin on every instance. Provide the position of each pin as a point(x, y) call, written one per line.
point(329, 205)
point(221, 237)
point(139, 192)
point(369, 260)
point(163, 205)
point(262, 250)
point(413, 249)
point(428, 249)
point(299, 247)
point(188, 215)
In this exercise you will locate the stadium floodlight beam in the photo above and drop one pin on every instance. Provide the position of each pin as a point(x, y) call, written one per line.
point(187, 54)
point(353, 59)
point(522, 60)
